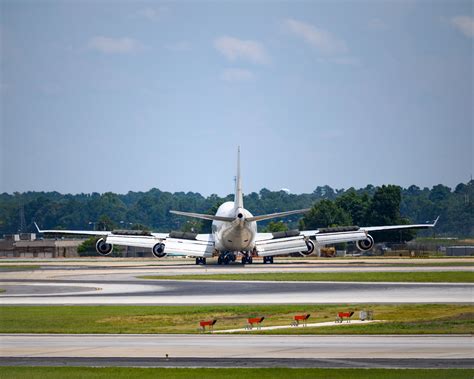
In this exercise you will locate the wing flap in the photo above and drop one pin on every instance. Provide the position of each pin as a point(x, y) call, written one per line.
point(194, 248)
point(330, 238)
point(281, 246)
point(130, 240)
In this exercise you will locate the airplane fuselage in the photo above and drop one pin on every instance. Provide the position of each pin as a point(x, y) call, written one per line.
point(238, 235)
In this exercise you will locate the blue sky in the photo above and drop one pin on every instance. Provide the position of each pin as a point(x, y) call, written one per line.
point(121, 96)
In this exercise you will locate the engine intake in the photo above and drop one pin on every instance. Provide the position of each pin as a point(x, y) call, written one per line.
point(102, 247)
point(159, 250)
point(310, 245)
point(365, 245)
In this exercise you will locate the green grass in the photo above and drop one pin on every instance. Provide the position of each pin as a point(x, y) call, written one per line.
point(18, 267)
point(229, 373)
point(422, 277)
point(427, 264)
point(401, 318)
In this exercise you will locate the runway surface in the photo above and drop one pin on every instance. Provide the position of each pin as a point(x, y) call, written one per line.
point(237, 346)
point(95, 283)
point(247, 362)
point(92, 282)
point(133, 291)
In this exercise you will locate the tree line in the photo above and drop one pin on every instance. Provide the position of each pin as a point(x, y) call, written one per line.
point(368, 206)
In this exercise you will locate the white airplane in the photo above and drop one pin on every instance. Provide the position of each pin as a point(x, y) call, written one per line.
point(234, 231)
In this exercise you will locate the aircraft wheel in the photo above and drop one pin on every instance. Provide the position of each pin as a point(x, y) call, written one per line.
point(198, 261)
point(219, 260)
point(226, 260)
point(203, 261)
point(270, 260)
point(244, 260)
point(249, 260)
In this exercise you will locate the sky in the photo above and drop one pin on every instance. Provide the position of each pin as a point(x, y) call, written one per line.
point(127, 96)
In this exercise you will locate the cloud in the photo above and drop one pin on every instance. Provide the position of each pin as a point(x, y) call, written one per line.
point(108, 45)
point(236, 75)
point(465, 24)
point(234, 49)
point(321, 39)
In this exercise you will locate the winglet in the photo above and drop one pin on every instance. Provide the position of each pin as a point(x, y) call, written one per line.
point(37, 227)
point(435, 221)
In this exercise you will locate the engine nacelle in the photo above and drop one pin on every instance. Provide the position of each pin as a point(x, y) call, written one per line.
point(159, 250)
point(310, 245)
point(103, 248)
point(365, 245)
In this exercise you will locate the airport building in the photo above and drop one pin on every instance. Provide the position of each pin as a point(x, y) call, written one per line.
point(26, 245)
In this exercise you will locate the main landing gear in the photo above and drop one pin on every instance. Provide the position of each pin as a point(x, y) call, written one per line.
point(226, 257)
point(200, 261)
point(247, 260)
point(267, 260)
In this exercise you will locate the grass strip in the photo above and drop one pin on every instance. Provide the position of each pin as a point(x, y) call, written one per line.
point(400, 318)
point(230, 373)
point(415, 277)
point(18, 267)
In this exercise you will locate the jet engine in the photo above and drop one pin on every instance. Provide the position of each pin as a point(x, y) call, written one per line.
point(158, 250)
point(102, 247)
point(365, 245)
point(310, 245)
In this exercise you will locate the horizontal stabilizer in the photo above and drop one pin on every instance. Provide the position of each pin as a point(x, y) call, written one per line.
point(203, 216)
point(275, 215)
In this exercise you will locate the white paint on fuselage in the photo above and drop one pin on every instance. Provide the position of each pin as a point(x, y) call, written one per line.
point(238, 235)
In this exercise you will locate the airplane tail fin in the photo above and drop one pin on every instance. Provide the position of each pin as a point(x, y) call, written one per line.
point(239, 198)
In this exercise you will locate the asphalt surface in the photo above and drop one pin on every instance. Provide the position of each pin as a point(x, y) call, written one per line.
point(250, 362)
point(133, 291)
point(79, 284)
point(237, 346)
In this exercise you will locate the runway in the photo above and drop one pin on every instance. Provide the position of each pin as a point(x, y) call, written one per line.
point(153, 292)
point(237, 346)
point(75, 282)
point(247, 362)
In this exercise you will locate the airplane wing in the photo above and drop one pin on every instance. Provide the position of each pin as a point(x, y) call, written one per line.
point(305, 241)
point(162, 244)
point(368, 229)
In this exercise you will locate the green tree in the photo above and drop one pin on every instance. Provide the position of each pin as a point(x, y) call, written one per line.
point(323, 214)
point(275, 226)
point(356, 204)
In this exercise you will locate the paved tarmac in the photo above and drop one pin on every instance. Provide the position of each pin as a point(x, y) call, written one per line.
point(75, 283)
point(133, 291)
point(248, 362)
point(237, 346)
